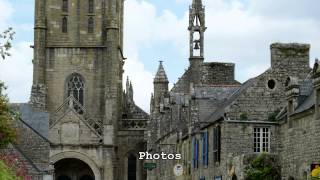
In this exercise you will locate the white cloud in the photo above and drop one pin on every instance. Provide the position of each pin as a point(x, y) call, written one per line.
point(6, 12)
point(144, 28)
point(238, 31)
point(16, 72)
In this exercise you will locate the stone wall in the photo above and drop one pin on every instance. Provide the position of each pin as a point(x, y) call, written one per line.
point(236, 140)
point(218, 73)
point(299, 145)
point(33, 145)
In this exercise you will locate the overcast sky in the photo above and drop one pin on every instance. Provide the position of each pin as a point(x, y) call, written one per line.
point(239, 31)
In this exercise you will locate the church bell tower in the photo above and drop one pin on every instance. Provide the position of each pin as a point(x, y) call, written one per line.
point(196, 28)
point(77, 78)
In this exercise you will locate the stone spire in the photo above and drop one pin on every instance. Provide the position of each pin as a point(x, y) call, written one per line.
point(129, 91)
point(161, 76)
point(160, 84)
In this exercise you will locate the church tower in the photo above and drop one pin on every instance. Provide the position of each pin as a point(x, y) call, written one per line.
point(77, 78)
point(196, 28)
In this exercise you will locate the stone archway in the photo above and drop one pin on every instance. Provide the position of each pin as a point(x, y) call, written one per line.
point(73, 169)
point(80, 157)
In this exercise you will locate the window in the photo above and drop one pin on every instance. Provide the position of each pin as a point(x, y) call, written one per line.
point(91, 6)
point(261, 140)
point(205, 149)
point(195, 152)
point(216, 143)
point(271, 84)
point(64, 24)
point(90, 25)
point(76, 89)
point(65, 6)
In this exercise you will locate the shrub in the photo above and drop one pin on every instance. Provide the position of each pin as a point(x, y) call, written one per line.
point(262, 168)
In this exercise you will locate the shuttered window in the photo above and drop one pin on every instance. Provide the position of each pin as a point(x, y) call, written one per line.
point(205, 144)
point(216, 143)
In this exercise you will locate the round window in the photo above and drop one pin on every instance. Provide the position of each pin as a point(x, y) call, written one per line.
point(271, 84)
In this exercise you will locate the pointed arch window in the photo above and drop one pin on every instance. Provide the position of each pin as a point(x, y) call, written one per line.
point(91, 6)
point(64, 24)
point(90, 25)
point(75, 88)
point(65, 6)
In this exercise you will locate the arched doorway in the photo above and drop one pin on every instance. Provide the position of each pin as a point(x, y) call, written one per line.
point(132, 167)
point(234, 177)
point(73, 169)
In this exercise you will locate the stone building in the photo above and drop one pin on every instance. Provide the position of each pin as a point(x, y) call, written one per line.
point(94, 128)
point(220, 125)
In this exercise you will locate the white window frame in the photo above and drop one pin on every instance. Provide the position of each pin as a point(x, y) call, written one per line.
point(261, 139)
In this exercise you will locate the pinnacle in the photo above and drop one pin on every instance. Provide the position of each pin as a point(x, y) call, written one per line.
point(161, 75)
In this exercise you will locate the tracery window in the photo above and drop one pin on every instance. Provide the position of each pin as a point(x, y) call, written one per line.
point(76, 89)
point(64, 24)
point(90, 25)
point(65, 5)
point(91, 6)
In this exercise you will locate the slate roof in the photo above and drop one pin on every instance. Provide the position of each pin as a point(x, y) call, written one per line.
point(135, 112)
point(37, 120)
point(218, 113)
point(305, 100)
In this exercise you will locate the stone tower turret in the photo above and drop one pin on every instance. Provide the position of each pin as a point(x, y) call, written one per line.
point(160, 83)
point(197, 28)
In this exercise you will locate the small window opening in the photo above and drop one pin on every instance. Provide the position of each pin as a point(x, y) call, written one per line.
point(271, 84)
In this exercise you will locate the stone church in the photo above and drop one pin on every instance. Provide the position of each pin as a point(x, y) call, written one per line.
point(81, 125)
point(89, 128)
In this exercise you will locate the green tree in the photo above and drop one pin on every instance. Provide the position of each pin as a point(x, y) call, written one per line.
point(5, 42)
point(7, 132)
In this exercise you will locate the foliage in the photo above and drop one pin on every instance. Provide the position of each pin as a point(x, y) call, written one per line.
point(5, 172)
point(5, 42)
point(243, 116)
point(7, 132)
point(262, 168)
point(15, 165)
point(272, 116)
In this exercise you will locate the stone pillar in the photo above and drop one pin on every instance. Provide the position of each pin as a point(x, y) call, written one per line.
point(39, 89)
point(39, 42)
